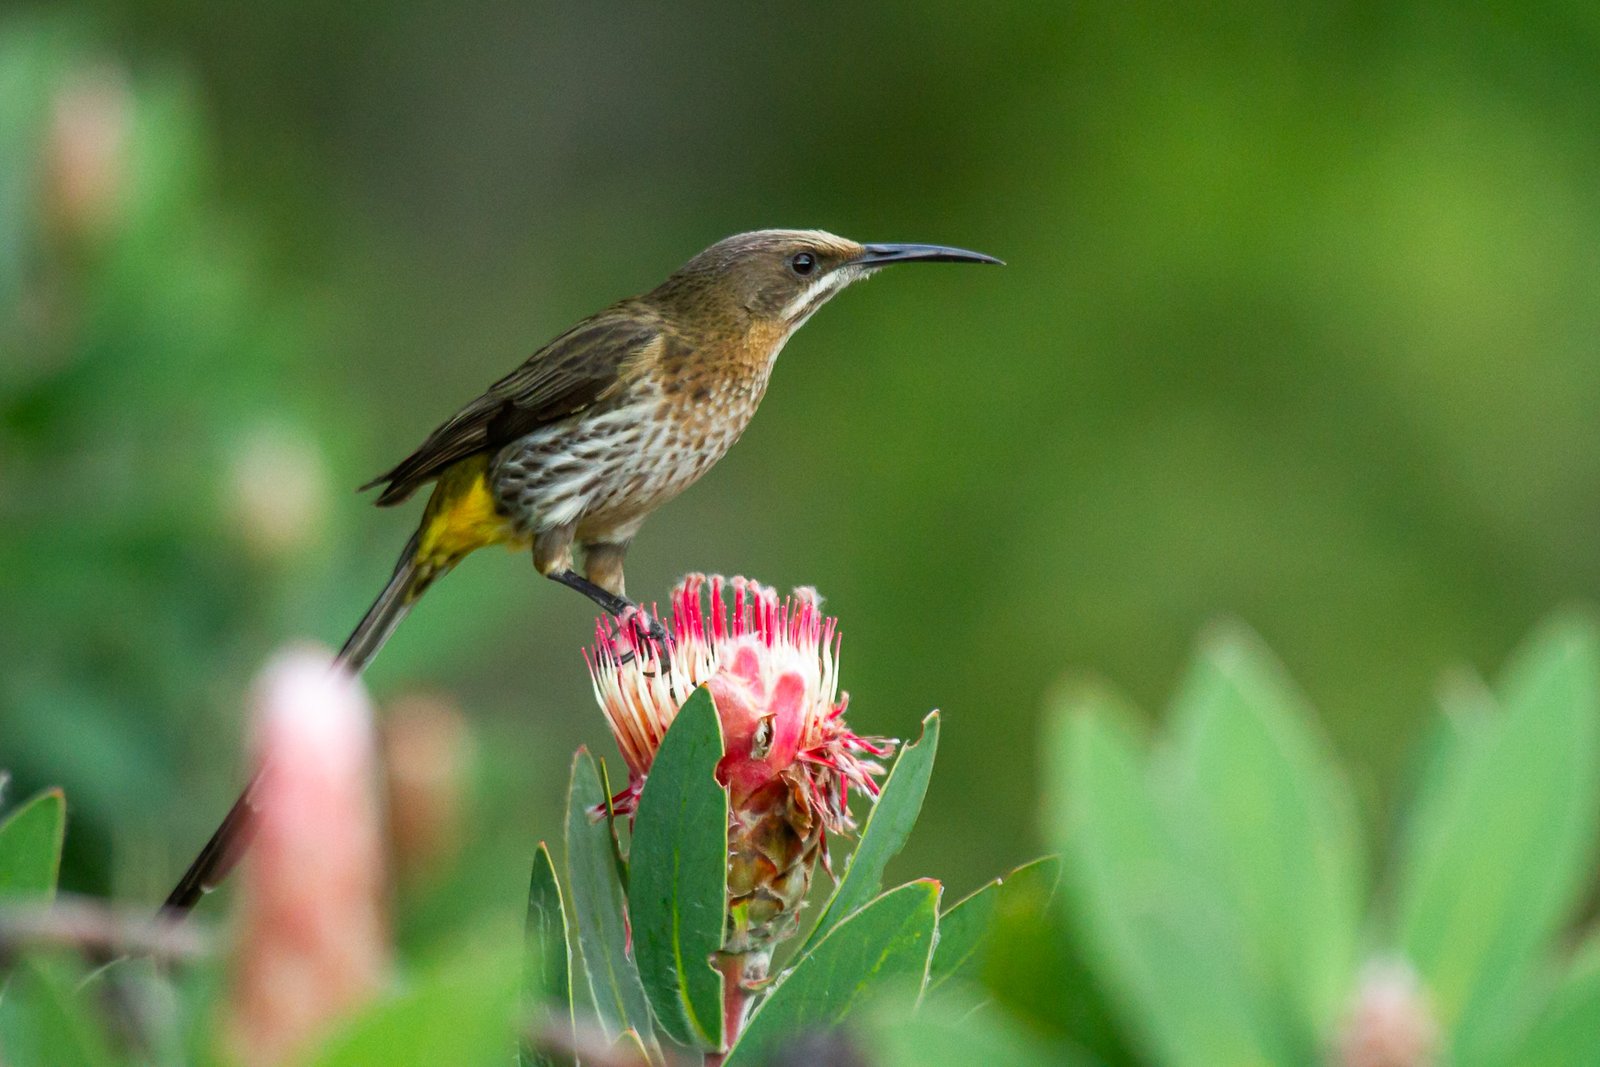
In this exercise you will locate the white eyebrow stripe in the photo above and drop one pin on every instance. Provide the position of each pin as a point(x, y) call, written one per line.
point(820, 290)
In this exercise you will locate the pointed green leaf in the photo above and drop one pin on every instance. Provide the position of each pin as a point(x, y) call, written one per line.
point(678, 876)
point(1497, 862)
point(30, 846)
point(888, 826)
point(886, 943)
point(1269, 819)
point(547, 959)
point(599, 908)
point(1156, 934)
point(964, 930)
point(1037, 969)
point(465, 1014)
point(1468, 711)
point(1567, 1031)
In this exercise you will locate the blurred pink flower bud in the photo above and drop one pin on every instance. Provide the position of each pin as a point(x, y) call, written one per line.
point(311, 939)
point(1389, 1023)
point(86, 150)
point(427, 748)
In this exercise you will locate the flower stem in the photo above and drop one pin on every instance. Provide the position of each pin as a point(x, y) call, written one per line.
point(737, 969)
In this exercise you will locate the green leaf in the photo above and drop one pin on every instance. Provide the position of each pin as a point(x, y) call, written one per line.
point(965, 929)
point(1268, 818)
point(1567, 1031)
point(547, 958)
point(1497, 862)
point(464, 1014)
point(888, 826)
point(886, 943)
point(599, 907)
point(678, 876)
point(1039, 971)
point(30, 846)
point(1157, 935)
point(44, 1022)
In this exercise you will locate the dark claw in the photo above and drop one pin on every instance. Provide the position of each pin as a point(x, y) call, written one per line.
point(656, 634)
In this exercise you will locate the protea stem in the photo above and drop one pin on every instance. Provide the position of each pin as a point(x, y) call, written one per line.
point(739, 969)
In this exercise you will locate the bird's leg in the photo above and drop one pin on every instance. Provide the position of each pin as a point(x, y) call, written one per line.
point(624, 610)
point(552, 557)
point(603, 566)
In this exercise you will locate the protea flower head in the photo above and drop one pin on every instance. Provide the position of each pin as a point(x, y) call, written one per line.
point(789, 759)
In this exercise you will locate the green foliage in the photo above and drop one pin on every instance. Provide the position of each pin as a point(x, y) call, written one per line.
point(30, 847)
point(1213, 881)
point(678, 876)
point(547, 976)
point(1565, 1032)
point(955, 1030)
point(1267, 809)
point(1502, 847)
point(1169, 952)
point(45, 1023)
point(593, 875)
point(883, 944)
point(886, 831)
point(967, 929)
point(463, 1012)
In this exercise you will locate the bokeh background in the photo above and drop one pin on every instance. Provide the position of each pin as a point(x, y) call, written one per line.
point(1299, 325)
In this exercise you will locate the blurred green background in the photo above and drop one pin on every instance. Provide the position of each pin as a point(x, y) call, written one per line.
point(1299, 325)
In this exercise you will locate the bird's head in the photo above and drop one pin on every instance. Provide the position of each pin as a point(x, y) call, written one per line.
point(773, 280)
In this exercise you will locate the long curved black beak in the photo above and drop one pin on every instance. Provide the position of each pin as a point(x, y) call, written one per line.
point(883, 255)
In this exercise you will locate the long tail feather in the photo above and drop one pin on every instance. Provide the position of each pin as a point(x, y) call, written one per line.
point(392, 605)
point(232, 839)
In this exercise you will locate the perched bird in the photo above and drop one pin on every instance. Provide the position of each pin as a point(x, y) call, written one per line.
point(596, 430)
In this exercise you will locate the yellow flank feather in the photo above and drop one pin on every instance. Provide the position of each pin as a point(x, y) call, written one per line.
point(461, 517)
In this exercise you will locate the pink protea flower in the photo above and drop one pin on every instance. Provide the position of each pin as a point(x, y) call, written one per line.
point(789, 759)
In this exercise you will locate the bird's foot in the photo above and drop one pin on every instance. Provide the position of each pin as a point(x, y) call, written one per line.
point(642, 626)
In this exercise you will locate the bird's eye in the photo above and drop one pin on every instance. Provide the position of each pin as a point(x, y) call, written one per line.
point(802, 263)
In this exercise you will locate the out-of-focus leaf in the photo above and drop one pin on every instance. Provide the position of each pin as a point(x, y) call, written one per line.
point(167, 1005)
point(45, 1022)
point(1268, 817)
point(965, 929)
point(678, 876)
point(955, 1029)
point(886, 831)
point(464, 1014)
point(885, 944)
point(599, 907)
point(1468, 709)
point(30, 846)
point(1036, 969)
point(1496, 863)
point(1567, 1031)
point(547, 960)
point(1157, 935)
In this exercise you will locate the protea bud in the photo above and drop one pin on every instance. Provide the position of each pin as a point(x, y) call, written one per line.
point(312, 944)
point(1389, 1022)
point(789, 760)
point(86, 154)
